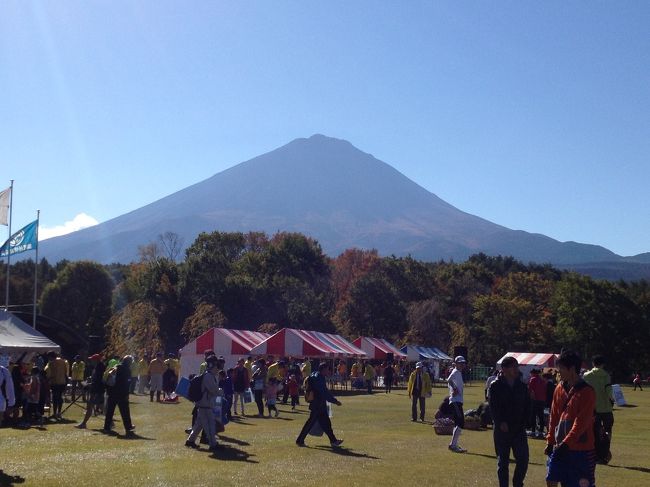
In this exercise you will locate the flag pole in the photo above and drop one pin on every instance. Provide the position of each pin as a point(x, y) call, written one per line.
point(11, 199)
point(38, 216)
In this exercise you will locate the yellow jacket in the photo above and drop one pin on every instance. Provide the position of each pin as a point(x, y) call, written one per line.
point(78, 369)
point(157, 366)
point(369, 372)
point(426, 384)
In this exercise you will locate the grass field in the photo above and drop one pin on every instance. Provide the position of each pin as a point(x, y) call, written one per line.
point(382, 447)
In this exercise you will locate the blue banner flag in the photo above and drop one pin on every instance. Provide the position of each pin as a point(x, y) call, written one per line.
point(21, 241)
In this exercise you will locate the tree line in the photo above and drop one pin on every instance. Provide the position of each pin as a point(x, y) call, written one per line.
point(254, 281)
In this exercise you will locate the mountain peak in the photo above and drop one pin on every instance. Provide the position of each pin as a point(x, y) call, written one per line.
point(328, 189)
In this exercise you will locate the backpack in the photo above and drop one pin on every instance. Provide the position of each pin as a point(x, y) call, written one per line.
point(195, 390)
point(310, 395)
point(110, 376)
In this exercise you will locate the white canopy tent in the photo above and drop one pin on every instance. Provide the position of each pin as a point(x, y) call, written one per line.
point(531, 360)
point(17, 337)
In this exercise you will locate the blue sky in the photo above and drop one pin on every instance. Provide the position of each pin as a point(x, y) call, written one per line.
point(534, 115)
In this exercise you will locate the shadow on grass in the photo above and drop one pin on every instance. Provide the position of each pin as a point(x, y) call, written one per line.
point(233, 440)
point(493, 457)
point(344, 452)
point(232, 454)
point(133, 436)
point(624, 406)
point(237, 420)
point(636, 469)
point(7, 480)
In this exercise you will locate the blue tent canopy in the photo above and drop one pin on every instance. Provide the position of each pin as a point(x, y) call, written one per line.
point(417, 352)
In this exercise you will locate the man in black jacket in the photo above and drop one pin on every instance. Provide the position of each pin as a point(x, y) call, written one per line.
point(118, 395)
point(510, 408)
point(318, 407)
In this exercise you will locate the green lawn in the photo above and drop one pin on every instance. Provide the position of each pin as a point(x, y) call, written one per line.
point(382, 447)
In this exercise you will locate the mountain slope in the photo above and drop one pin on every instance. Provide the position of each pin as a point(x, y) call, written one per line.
point(328, 189)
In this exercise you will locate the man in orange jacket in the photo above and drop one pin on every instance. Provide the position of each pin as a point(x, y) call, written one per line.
point(570, 441)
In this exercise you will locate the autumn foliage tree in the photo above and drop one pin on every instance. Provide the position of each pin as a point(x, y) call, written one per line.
point(134, 330)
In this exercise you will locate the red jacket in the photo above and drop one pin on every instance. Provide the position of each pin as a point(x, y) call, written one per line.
point(573, 422)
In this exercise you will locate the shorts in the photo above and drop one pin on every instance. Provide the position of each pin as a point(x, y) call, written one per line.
point(457, 414)
point(572, 467)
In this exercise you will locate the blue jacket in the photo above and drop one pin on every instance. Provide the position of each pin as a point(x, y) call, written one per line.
point(321, 393)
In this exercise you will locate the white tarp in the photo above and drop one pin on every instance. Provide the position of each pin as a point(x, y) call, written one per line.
point(17, 337)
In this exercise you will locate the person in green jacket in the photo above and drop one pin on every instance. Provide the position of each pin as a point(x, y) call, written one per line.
point(599, 379)
point(419, 388)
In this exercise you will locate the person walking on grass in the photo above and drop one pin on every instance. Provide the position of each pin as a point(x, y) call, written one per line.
point(510, 406)
point(118, 395)
point(570, 440)
point(637, 381)
point(205, 419)
point(95, 397)
point(419, 388)
point(316, 382)
point(599, 379)
point(455, 384)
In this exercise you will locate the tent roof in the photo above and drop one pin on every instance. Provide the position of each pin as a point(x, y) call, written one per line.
point(417, 352)
point(226, 341)
point(302, 343)
point(527, 358)
point(377, 347)
point(16, 336)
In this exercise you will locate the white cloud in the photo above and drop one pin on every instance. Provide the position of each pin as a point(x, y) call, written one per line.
point(77, 223)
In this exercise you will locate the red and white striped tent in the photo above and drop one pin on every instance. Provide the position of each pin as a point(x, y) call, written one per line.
point(232, 344)
point(377, 348)
point(529, 361)
point(290, 342)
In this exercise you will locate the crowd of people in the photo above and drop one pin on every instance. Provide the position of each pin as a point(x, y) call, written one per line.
point(573, 414)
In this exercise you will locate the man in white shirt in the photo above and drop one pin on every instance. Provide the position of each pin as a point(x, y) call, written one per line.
point(455, 384)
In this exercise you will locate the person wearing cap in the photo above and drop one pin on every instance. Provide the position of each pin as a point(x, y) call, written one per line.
point(77, 375)
point(95, 398)
point(455, 384)
point(118, 395)
point(205, 419)
point(156, 370)
point(318, 406)
point(419, 388)
point(510, 406)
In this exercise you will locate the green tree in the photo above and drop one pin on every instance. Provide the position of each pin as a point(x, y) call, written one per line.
point(80, 297)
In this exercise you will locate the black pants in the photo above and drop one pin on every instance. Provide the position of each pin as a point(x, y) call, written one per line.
point(603, 424)
point(538, 416)
point(57, 396)
point(388, 384)
point(414, 406)
point(259, 400)
point(318, 413)
point(123, 404)
point(503, 443)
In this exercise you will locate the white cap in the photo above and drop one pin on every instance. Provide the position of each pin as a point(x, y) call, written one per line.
point(460, 360)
